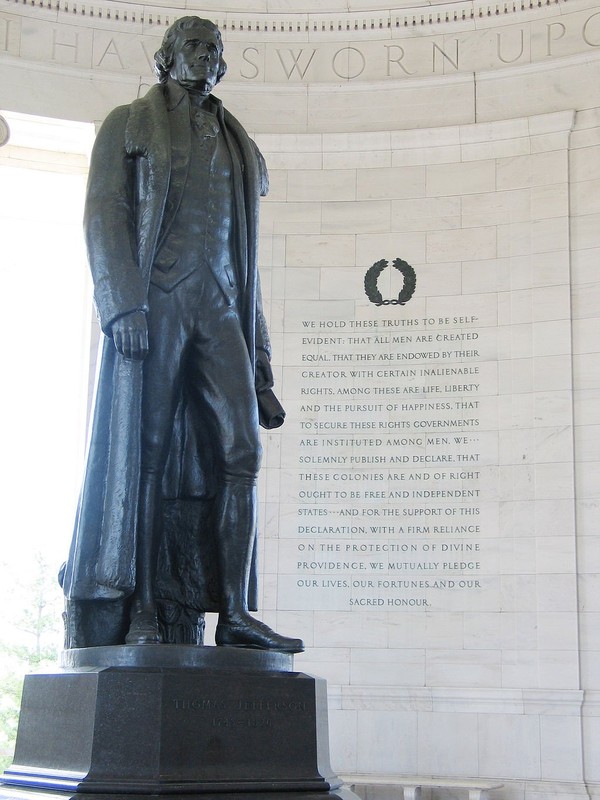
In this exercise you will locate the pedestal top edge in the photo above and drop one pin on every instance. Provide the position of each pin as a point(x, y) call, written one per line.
point(178, 656)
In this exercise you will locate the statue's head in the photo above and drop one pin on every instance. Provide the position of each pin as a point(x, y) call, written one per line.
point(191, 54)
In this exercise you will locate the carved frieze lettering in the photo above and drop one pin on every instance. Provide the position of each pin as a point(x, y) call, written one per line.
point(349, 63)
point(443, 56)
point(250, 57)
point(65, 46)
point(591, 30)
point(10, 34)
point(296, 61)
point(555, 31)
point(395, 55)
point(111, 51)
point(504, 47)
point(149, 47)
point(115, 49)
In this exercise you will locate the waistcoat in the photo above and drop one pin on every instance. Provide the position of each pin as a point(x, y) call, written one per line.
point(199, 235)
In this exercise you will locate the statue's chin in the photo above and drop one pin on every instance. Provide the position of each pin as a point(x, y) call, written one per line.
point(197, 87)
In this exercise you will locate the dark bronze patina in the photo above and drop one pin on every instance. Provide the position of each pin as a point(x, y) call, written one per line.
point(166, 525)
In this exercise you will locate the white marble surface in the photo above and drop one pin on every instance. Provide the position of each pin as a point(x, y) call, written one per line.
point(489, 236)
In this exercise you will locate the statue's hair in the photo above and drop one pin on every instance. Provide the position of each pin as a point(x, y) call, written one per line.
point(164, 56)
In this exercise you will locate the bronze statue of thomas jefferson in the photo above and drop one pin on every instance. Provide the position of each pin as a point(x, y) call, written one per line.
point(171, 226)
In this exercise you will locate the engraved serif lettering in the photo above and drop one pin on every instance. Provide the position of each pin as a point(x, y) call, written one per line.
point(296, 63)
point(349, 54)
point(4, 30)
point(586, 32)
point(111, 50)
point(453, 61)
point(254, 66)
point(501, 55)
point(65, 46)
point(399, 51)
point(149, 55)
point(552, 37)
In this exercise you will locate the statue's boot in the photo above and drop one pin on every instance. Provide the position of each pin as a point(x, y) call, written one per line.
point(144, 628)
point(236, 529)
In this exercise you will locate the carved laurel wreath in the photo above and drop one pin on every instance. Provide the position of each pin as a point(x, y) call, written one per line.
point(408, 288)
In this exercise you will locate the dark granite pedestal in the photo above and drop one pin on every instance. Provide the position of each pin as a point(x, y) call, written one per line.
point(172, 720)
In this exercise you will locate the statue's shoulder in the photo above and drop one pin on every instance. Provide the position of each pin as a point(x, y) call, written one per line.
point(145, 110)
point(137, 127)
point(135, 116)
point(152, 101)
point(143, 121)
point(115, 121)
point(153, 98)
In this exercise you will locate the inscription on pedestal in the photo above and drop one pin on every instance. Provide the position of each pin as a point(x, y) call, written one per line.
point(242, 713)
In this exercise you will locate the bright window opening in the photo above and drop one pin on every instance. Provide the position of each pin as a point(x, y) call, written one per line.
point(46, 327)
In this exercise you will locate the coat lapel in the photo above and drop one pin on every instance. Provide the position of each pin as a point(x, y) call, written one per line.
point(178, 120)
point(148, 139)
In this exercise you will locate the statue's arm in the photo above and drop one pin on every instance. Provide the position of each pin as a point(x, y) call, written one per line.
point(264, 373)
point(263, 172)
point(110, 232)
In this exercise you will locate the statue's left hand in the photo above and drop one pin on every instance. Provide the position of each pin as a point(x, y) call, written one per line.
point(130, 335)
point(263, 378)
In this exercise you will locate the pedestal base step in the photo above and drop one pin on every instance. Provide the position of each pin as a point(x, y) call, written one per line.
point(19, 793)
point(225, 722)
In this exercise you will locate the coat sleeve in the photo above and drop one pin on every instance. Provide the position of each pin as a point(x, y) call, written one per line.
point(262, 331)
point(263, 341)
point(263, 172)
point(109, 224)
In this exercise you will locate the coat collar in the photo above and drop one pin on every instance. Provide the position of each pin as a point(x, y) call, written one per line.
point(176, 94)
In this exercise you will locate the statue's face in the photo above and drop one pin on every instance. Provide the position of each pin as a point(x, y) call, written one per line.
point(196, 59)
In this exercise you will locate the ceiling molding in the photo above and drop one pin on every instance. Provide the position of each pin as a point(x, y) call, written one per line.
point(304, 24)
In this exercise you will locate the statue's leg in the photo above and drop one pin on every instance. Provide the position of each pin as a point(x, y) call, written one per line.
point(236, 529)
point(144, 623)
point(227, 404)
point(160, 395)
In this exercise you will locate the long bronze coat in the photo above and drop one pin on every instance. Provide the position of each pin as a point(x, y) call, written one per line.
point(139, 151)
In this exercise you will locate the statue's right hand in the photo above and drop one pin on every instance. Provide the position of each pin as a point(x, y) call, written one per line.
point(130, 335)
